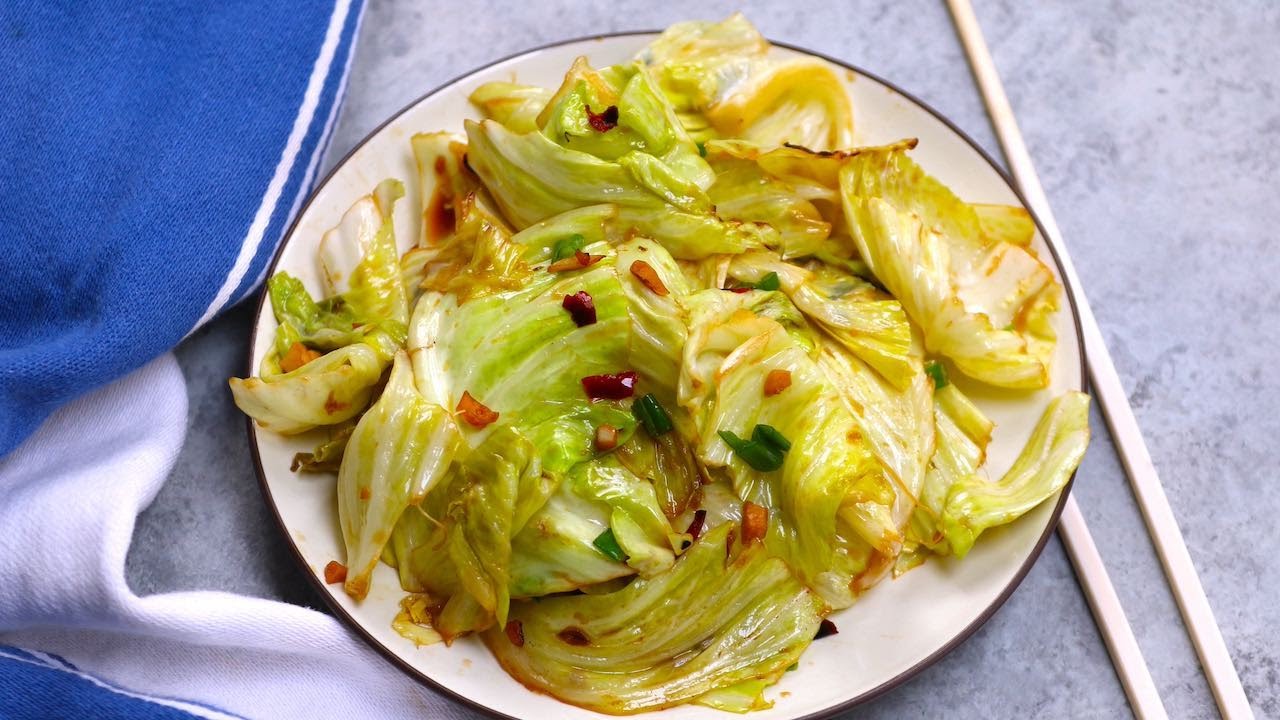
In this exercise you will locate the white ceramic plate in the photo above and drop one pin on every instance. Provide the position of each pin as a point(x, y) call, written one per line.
point(893, 632)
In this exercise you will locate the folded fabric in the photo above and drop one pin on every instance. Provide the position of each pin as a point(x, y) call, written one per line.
point(154, 153)
point(76, 642)
point(153, 157)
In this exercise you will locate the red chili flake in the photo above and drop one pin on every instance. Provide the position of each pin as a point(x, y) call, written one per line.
point(606, 437)
point(577, 261)
point(728, 542)
point(581, 308)
point(297, 356)
point(825, 628)
point(335, 572)
point(695, 527)
point(515, 633)
point(573, 636)
point(647, 275)
point(739, 290)
point(365, 493)
point(474, 412)
point(605, 121)
point(777, 381)
point(755, 522)
point(610, 387)
point(333, 405)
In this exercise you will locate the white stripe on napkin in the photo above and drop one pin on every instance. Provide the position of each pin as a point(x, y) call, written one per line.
point(310, 100)
point(322, 144)
point(189, 708)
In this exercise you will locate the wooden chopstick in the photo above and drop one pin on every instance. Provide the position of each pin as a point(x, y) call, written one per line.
point(1126, 656)
point(1161, 524)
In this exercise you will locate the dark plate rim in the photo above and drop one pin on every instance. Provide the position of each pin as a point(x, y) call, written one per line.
point(901, 678)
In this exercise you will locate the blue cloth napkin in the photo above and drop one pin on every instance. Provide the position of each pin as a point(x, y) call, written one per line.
point(152, 157)
point(38, 686)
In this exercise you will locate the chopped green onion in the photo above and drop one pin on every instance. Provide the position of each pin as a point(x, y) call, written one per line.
point(702, 149)
point(768, 282)
point(769, 435)
point(606, 543)
point(650, 413)
point(938, 373)
point(760, 456)
point(565, 247)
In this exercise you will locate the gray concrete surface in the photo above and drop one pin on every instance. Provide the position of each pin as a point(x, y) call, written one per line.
point(1156, 129)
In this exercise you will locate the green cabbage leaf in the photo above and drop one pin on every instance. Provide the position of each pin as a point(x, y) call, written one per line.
point(984, 305)
point(646, 164)
point(870, 324)
point(515, 106)
point(1046, 463)
point(398, 451)
point(830, 484)
point(723, 80)
point(331, 389)
point(358, 327)
point(698, 627)
point(789, 204)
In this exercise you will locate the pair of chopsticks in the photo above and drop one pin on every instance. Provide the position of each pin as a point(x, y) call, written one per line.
point(1161, 525)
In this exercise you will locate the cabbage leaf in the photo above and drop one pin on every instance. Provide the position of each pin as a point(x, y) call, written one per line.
point(702, 625)
point(555, 552)
point(519, 352)
point(745, 191)
point(515, 106)
point(395, 455)
point(896, 424)
point(830, 483)
point(361, 261)
point(983, 305)
point(1051, 455)
point(646, 164)
point(722, 81)
point(358, 326)
point(331, 389)
point(871, 325)
point(1005, 223)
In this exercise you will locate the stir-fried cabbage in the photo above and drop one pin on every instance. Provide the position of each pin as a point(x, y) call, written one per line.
point(515, 106)
point(724, 81)
point(1056, 447)
point(979, 302)
point(331, 389)
point(830, 483)
point(395, 455)
point(663, 380)
point(704, 625)
point(745, 189)
point(342, 344)
point(361, 261)
point(519, 352)
point(961, 436)
point(868, 323)
point(644, 162)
